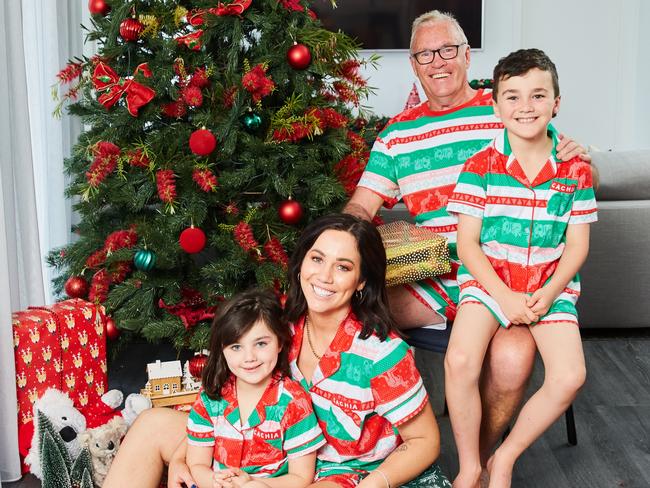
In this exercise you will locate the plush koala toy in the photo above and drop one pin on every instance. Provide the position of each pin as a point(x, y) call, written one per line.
point(65, 418)
point(103, 442)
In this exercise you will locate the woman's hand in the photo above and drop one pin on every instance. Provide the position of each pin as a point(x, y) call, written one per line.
point(516, 309)
point(179, 473)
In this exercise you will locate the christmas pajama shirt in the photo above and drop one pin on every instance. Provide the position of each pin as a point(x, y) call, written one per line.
point(282, 426)
point(417, 158)
point(361, 390)
point(524, 223)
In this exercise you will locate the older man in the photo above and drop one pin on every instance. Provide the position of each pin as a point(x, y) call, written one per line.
point(417, 158)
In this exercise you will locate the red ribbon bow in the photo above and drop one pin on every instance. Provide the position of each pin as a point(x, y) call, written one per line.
point(196, 17)
point(235, 8)
point(137, 95)
point(192, 40)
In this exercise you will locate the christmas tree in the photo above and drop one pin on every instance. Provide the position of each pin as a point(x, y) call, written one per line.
point(216, 130)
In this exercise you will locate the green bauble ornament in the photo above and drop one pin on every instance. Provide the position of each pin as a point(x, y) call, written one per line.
point(144, 260)
point(251, 121)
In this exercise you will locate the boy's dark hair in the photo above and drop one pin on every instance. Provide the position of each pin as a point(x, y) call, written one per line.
point(521, 62)
point(372, 307)
point(236, 318)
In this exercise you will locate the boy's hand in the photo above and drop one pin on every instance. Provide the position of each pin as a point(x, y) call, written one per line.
point(540, 301)
point(515, 308)
point(568, 149)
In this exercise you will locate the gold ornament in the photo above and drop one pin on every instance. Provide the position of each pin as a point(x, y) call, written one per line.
point(413, 253)
point(151, 25)
point(179, 15)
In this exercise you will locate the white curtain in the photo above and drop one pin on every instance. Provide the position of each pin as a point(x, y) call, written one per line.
point(37, 37)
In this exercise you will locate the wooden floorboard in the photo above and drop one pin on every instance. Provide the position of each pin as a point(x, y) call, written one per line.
point(612, 415)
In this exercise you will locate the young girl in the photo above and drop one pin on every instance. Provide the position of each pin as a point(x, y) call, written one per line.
point(251, 426)
point(523, 234)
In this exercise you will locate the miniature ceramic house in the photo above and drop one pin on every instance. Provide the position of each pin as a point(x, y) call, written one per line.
point(164, 377)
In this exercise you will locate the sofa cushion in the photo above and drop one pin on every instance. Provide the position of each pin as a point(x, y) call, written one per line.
point(624, 175)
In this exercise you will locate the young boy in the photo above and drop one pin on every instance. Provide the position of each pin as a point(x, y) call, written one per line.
point(523, 234)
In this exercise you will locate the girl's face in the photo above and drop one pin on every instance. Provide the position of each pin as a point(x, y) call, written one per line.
point(252, 359)
point(331, 273)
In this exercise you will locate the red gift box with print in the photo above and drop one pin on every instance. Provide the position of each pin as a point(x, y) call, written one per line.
point(61, 346)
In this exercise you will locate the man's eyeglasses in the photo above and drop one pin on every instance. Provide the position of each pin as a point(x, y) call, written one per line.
point(428, 55)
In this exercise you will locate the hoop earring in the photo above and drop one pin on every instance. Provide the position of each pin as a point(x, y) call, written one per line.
point(359, 295)
point(298, 276)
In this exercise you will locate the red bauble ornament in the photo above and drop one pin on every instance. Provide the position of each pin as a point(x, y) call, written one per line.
point(197, 363)
point(298, 56)
point(290, 212)
point(130, 29)
point(112, 332)
point(202, 142)
point(98, 7)
point(76, 287)
point(192, 240)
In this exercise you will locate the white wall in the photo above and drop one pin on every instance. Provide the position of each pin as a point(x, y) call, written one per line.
point(600, 48)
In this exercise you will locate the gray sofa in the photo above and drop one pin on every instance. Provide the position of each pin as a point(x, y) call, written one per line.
point(616, 276)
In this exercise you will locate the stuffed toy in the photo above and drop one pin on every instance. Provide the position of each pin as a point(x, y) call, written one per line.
point(70, 422)
point(108, 408)
point(103, 442)
point(65, 418)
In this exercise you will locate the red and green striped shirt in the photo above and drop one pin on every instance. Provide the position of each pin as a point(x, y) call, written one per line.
point(281, 426)
point(417, 158)
point(361, 390)
point(524, 223)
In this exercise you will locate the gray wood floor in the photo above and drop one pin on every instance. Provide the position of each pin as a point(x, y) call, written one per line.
point(612, 417)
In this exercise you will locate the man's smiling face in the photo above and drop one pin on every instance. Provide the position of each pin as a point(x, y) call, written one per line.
point(443, 79)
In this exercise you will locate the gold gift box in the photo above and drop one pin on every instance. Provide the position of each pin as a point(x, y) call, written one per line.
point(413, 253)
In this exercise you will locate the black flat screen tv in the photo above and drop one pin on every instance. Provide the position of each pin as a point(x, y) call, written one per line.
point(386, 24)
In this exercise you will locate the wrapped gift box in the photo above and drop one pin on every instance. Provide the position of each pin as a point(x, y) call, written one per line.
point(413, 253)
point(61, 346)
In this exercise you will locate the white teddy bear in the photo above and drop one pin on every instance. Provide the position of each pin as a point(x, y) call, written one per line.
point(65, 418)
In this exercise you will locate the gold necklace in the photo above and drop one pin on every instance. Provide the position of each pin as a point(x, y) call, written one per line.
point(311, 346)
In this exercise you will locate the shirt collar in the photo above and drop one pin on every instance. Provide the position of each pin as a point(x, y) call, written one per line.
point(502, 145)
point(331, 359)
point(258, 415)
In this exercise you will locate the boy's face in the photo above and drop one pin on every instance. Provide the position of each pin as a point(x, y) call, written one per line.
point(526, 103)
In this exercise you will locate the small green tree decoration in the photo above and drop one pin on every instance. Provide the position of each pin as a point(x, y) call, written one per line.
point(59, 471)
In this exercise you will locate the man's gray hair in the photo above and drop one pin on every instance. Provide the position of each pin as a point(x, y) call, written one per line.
point(434, 16)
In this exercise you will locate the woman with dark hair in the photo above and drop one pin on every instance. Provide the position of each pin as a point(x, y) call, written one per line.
point(366, 391)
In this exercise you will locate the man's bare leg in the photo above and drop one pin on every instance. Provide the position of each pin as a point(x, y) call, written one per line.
point(147, 447)
point(409, 312)
point(506, 370)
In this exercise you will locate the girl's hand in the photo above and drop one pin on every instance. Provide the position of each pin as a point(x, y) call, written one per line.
point(224, 478)
point(241, 478)
point(540, 301)
point(516, 309)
